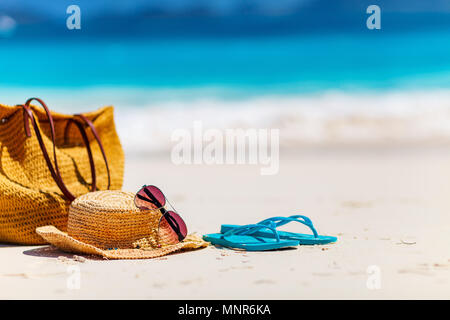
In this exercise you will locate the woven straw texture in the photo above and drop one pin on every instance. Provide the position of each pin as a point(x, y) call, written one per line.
point(29, 197)
point(107, 223)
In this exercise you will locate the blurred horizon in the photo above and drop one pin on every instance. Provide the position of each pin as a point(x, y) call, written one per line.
point(309, 67)
point(284, 46)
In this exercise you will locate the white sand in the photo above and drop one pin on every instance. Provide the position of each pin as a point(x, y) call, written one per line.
point(389, 208)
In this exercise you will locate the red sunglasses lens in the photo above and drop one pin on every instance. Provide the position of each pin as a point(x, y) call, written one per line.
point(172, 228)
point(149, 197)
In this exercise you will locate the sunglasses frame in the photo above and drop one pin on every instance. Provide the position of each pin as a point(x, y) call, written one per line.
point(159, 206)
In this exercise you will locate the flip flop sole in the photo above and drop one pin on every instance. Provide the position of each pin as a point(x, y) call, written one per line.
point(302, 238)
point(249, 243)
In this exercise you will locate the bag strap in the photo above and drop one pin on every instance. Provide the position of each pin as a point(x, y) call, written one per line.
point(28, 114)
point(54, 171)
point(99, 142)
point(89, 151)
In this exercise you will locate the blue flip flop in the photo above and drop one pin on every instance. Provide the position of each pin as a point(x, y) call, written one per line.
point(303, 239)
point(244, 237)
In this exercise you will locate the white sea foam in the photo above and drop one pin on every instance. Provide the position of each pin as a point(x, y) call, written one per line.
point(146, 119)
point(330, 118)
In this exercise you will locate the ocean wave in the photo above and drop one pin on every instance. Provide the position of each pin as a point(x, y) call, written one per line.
point(146, 120)
point(331, 118)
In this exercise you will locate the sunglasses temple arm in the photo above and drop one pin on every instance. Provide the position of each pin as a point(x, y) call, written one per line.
point(180, 236)
point(170, 204)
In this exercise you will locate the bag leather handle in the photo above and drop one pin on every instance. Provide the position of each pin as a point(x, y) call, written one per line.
point(89, 151)
point(99, 142)
point(28, 114)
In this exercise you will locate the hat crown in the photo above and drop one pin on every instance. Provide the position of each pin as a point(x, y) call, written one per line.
point(110, 219)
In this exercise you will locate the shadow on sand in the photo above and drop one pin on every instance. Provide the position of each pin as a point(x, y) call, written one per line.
point(53, 252)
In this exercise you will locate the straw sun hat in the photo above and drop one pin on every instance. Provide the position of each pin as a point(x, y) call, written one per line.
point(107, 223)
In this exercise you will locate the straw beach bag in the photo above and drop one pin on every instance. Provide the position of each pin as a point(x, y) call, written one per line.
point(47, 159)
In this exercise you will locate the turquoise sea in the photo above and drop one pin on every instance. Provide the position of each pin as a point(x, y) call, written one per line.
point(251, 65)
point(318, 86)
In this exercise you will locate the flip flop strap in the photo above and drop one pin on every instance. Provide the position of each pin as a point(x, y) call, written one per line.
point(250, 229)
point(281, 221)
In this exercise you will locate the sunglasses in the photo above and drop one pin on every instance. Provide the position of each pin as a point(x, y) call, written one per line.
point(171, 228)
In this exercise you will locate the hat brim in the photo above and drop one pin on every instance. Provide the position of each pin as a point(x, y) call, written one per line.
point(63, 241)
